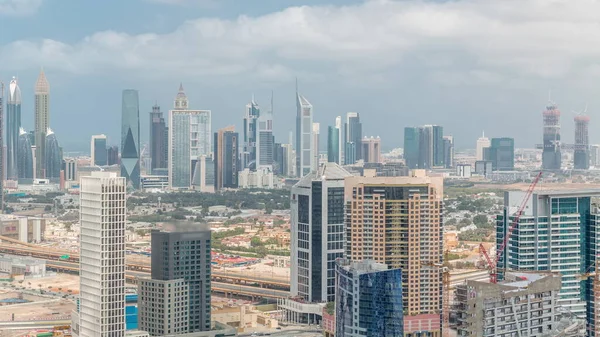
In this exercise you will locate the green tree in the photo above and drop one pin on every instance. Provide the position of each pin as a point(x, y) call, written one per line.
point(480, 219)
point(256, 242)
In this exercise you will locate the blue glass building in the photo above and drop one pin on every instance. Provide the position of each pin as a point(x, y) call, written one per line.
point(13, 125)
point(53, 162)
point(368, 300)
point(24, 158)
point(130, 138)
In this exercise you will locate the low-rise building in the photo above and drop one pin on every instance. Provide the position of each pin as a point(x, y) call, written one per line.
point(22, 228)
point(523, 305)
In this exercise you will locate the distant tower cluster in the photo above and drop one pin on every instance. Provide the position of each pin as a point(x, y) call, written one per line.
point(551, 159)
point(581, 157)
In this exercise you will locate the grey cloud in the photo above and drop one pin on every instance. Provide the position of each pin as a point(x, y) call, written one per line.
point(19, 7)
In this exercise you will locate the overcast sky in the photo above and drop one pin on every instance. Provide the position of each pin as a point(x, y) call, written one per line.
point(468, 65)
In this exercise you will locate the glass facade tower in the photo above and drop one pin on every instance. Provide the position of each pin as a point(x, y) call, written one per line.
point(13, 125)
point(24, 158)
point(368, 300)
point(53, 157)
point(42, 122)
point(130, 138)
point(304, 137)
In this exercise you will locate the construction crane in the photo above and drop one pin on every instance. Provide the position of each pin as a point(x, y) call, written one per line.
point(596, 287)
point(493, 265)
point(445, 268)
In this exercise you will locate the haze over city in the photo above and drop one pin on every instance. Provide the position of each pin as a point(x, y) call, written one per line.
point(467, 65)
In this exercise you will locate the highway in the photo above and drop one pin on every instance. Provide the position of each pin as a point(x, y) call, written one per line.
point(33, 324)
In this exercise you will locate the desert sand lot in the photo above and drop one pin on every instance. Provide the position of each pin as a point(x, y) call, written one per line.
point(38, 307)
point(60, 282)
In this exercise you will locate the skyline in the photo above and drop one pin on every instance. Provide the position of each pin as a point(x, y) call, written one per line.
point(438, 71)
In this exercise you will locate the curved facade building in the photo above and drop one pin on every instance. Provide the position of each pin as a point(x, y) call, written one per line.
point(53, 157)
point(24, 158)
point(13, 124)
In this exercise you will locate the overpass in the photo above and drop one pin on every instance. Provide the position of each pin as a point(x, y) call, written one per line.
point(24, 325)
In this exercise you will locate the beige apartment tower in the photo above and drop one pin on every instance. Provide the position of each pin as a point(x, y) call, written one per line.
point(397, 221)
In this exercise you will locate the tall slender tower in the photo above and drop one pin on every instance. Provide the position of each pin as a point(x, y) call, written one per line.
point(304, 135)
point(42, 121)
point(130, 138)
point(250, 134)
point(13, 124)
point(102, 261)
point(157, 139)
point(581, 157)
point(353, 135)
point(551, 159)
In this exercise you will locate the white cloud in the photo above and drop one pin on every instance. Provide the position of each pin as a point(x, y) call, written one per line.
point(19, 7)
point(489, 40)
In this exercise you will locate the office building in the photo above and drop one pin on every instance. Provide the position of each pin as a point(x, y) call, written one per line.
point(204, 175)
point(502, 154)
point(53, 157)
point(449, 151)
point(226, 158)
point(130, 138)
point(581, 155)
point(483, 167)
point(524, 305)
point(482, 143)
point(98, 151)
point(536, 245)
point(335, 142)
point(189, 139)
point(182, 252)
point(250, 135)
point(13, 125)
point(411, 147)
point(265, 142)
point(353, 135)
point(158, 139)
point(70, 168)
point(304, 137)
point(25, 162)
point(595, 155)
point(163, 306)
point(261, 178)
point(551, 154)
point(102, 258)
point(317, 232)
point(368, 300)
point(371, 150)
point(424, 147)
point(350, 153)
point(437, 144)
point(397, 221)
point(112, 154)
point(289, 159)
point(315, 136)
point(42, 122)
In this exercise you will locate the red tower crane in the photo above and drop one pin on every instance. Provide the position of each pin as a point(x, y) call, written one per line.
point(493, 265)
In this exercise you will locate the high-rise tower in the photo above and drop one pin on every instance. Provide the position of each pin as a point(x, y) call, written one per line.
point(265, 142)
point(250, 134)
point(158, 141)
point(334, 142)
point(98, 150)
point(102, 257)
point(130, 138)
point(304, 136)
point(226, 158)
point(353, 138)
point(482, 143)
point(13, 124)
point(551, 159)
point(24, 158)
point(581, 155)
point(53, 162)
point(42, 121)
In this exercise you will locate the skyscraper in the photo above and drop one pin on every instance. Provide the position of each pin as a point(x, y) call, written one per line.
point(98, 150)
point(226, 158)
point(13, 125)
point(335, 142)
point(371, 150)
point(304, 136)
point(189, 139)
point(424, 147)
point(449, 151)
point(130, 138)
point(42, 122)
point(316, 132)
point(558, 231)
point(502, 154)
point(317, 232)
point(551, 157)
point(24, 158)
point(412, 147)
point(112, 154)
point(482, 143)
point(368, 299)
point(250, 135)
point(183, 252)
point(158, 139)
point(397, 221)
point(265, 142)
point(102, 257)
point(53, 162)
point(353, 134)
point(581, 156)
point(437, 134)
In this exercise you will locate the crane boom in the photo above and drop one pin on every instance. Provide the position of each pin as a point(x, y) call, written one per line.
point(494, 265)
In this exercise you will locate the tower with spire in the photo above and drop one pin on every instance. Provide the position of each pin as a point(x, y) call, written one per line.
point(181, 100)
point(482, 143)
point(304, 135)
point(251, 116)
point(42, 121)
point(13, 124)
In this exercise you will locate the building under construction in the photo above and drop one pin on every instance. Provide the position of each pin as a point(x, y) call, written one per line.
point(581, 152)
point(551, 159)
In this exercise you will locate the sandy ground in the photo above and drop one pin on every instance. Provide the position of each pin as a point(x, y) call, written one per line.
point(37, 307)
point(63, 281)
point(260, 270)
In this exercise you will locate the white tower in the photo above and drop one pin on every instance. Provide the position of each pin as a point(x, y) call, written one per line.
point(482, 143)
point(102, 255)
